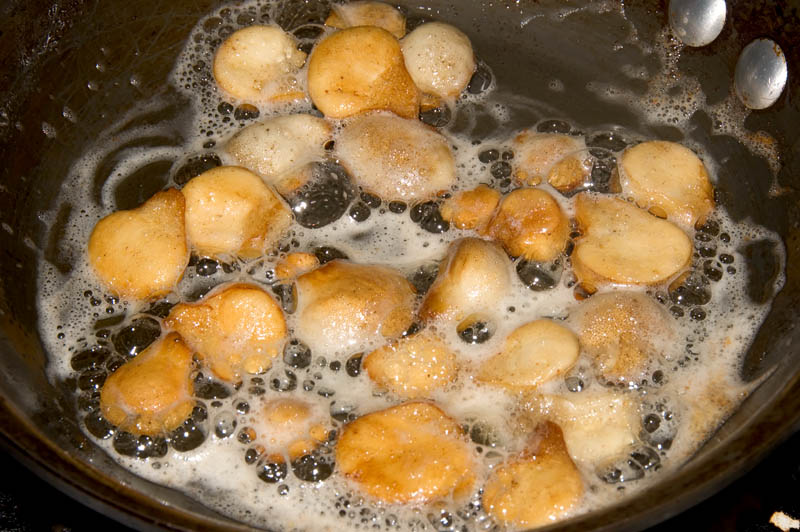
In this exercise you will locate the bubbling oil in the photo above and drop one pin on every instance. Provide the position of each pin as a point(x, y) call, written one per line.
point(214, 456)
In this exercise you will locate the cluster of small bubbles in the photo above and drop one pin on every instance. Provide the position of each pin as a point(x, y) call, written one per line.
point(538, 276)
point(194, 166)
point(437, 117)
point(192, 433)
point(325, 198)
point(326, 254)
point(428, 217)
point(554, 126)
point(314, 467)
point(142, 446)
point(271, 471)
point(296, 354)
point(634, 467)
point(207, 387)
point(287, 296)
point(224, 424)
point(475, 330)
point(483, 433)
point(423, 277)
point(659, 426)
point(283, 381)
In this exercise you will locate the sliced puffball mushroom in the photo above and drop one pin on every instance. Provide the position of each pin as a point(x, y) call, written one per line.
point(343, 305)
point(361, 69)
point(289, 427)
point(295, 264)
point(280, 147)
point(142, 253)
point(231, 211)
point(624, 332)
point(236, 329)
point(624, 244)
point(152, 393)
point(412, 367)
point(669, 179)
point(439, 58)
point(258, 63)
point(537, 488)
point(531, 355)
point(530, 224)
point(367, 14)
point(410, 453)
point(536, 155)
point(473, 278)
point(396, 158)
point(470, 209)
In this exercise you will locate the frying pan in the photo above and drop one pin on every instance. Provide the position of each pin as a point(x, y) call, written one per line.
point(70, 68)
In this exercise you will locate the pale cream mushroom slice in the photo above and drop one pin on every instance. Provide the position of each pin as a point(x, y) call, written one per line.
point(539, 487)
point(439, 58)
point(668, 178)
point(152, 393)
point(473, 278)
point(367, 13)
point(560, 159)
point(343, 305)
point(412, 367)
point(361, 69)
point(624, 244)
point(142, 253)
point(278, 149)
point(235, 329)
point(231, 211)
point(288, 427)
point(408, 454)
point(530, 224)
point(259, 64)
point(470, 209)
point(625, 333)
point(396, 158)
point(532, 354)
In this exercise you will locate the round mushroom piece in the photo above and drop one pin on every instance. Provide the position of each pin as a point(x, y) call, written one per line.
point(439, 58)
point(367, 13)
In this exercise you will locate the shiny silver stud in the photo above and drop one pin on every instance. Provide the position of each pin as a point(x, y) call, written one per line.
point(761, 74)
point(697, 22)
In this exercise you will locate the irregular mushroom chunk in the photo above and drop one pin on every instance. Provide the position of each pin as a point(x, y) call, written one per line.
point(230, 211)
point(289, 427)
point(295, 264)
point(624, 244)
point(530, 224)
point(533, 354)
point(539, 156)
point(343, 305)
point(152, 393)
point(539, 487)
point(233, 329)
point(361, 69)
point(665, 176)
point(395, 158)
point(413, 366)
point(259, 63)
point(439, 58)
point(142, 253)
point(367, 14)
point(410, 453)
point(471, 209)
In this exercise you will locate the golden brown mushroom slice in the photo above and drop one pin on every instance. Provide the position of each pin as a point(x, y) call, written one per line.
point(471, 209)
point(624, 332)
point(624, 244)
point(236, 328)
point(412, 367)
point(259, 64)
point(361, 69)
point(439, 58)
point(289, 427)
point(152, 393)
point(560, 159)
point(530, 224)
point(231, 211)
point(410, 453)
point(539, 487)
point(367, 14)
point(669, 179)
point(396, 158)
point(473, 278)
point(295, 264)
point(532, 354)
point(142, 253)
point(344, 305)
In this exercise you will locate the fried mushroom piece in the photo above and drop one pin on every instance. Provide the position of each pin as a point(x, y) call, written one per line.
point(361, 69)
point(230, 211)
point(343, 305)
point(367, 14)
point(532, 354)
point(410, 453)
point(278, 148)
point(530, 224)
point(473, 277)
point(289, 427)
point(258, 64)
point(540, 156)
point(152, 393)
point(295, 264)
point(142, 253)
point(624, 244)
point(537, 488)
point(412, 367)
point(620, 330)
point(471, 209)
point(669, 179)
point(439, 58)
point(236, 328)
point(395, 158)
